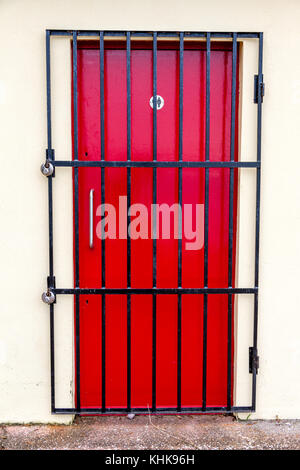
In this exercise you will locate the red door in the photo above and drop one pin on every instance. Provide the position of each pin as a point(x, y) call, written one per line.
point(194, 85)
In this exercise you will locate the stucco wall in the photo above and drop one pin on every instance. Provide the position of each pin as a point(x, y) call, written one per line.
point(24, 331)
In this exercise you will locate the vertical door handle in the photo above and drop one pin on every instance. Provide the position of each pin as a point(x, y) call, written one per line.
point(91, 218)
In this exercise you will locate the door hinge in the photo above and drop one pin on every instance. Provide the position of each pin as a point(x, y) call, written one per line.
point(259, 88)
point(253, 360)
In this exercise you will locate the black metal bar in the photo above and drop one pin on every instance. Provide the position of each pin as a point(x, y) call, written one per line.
point(156, 290)
point(231, 199)
point(179, 319)
point(154, 234)
point(154, 303)
point(50, 225)
point(257, 221)
point(206, 212)
point(160, 34)
point(128, 65)
point(52, 358)
point(49, 152)
point(75, 147)
point(50, 218)
point(142, 411)
point(103, 343)
point(154, 152)
point(76, 220)
point(102, 138)
point(128, 353)
point(154, 164)
point(48, 78)
point(254, 368)
point(259, 125)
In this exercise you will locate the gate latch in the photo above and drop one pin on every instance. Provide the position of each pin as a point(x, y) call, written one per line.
point(253, 360)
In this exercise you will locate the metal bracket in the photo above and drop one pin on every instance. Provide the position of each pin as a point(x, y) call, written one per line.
point(253, 360)
point(51, 282)
point(259, 88)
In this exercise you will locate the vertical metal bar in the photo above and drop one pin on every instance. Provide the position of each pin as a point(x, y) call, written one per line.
point(50, 219)
point(231, 199)
point(206, 213)
point(49, 140)
point(128, 65)
point(257, 222)
point(259, 123)
point(154, 234)
point(48, 77)
point(52, 358)
point(179, 319)
point(102, 137)
point(76, 220)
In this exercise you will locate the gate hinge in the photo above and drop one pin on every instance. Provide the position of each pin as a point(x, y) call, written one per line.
point(259, 88)
point(253, 360)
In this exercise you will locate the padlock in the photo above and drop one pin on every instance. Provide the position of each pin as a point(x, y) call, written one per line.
point(47, 169)
point(48, 297)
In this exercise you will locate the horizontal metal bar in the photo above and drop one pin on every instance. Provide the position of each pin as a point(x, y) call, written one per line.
point(160, 34)
point(187, 410)
point(155, 164)
point(156, 290)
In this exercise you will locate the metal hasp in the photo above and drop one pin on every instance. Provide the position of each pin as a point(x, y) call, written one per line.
point(206, 290)
point(253, 360)
point(259, 88)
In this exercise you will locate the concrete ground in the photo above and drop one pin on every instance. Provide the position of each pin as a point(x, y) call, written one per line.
point(156, 432)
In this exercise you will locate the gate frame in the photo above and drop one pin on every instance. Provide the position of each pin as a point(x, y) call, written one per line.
point(207, 164)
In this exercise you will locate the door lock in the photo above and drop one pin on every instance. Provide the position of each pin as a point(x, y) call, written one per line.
point(47, 168)
point(48, 297)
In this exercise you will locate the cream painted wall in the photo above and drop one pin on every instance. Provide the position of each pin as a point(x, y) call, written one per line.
point(24, 332)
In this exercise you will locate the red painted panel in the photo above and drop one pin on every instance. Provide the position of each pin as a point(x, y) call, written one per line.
point(141, 249)
point(141, 351)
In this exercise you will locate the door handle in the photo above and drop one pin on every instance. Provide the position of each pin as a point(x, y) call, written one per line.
point(92, 218)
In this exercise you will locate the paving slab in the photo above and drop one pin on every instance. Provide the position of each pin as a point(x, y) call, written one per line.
point(154, 432)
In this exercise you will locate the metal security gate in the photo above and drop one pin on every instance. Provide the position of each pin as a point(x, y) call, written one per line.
point(232, 165)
